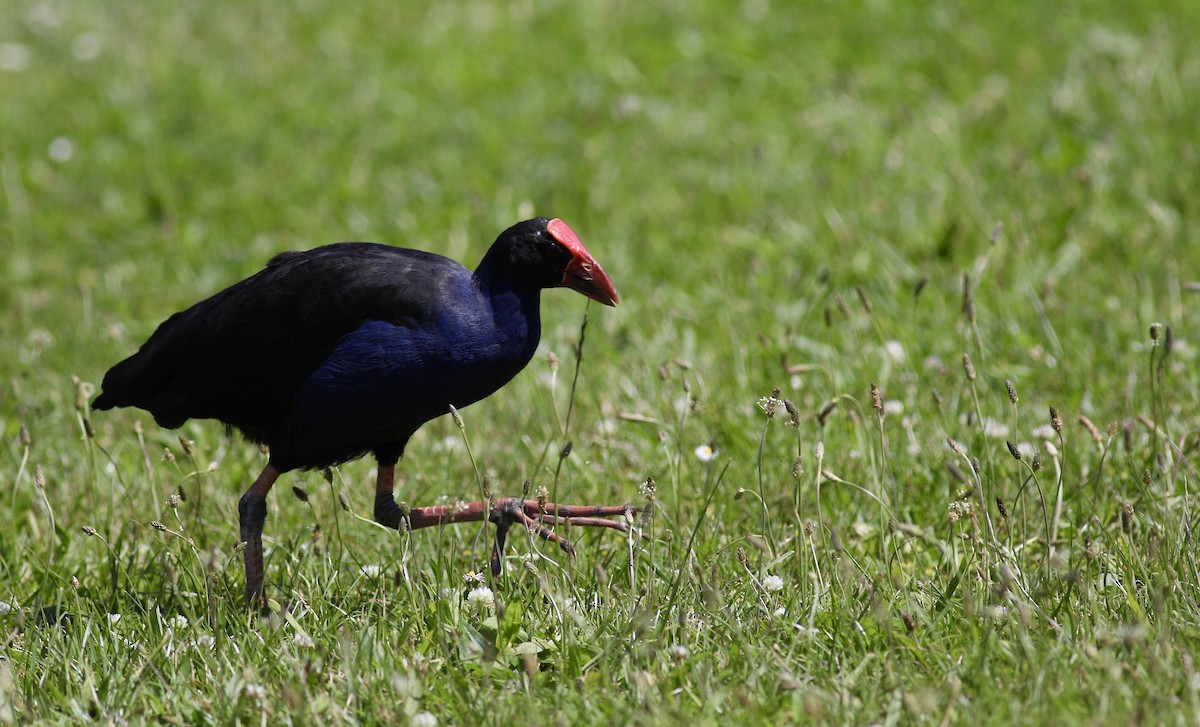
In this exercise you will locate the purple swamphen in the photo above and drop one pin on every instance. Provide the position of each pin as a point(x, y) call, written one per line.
point(349, 348)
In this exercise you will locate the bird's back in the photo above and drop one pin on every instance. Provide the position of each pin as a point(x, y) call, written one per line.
point(242, 355)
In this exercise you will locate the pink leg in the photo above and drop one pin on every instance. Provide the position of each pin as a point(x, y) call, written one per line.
point(503, 513)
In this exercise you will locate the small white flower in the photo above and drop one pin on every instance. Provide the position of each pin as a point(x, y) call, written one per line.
point(481, 598)
point(371, 571)
point(61, 149)
point(304, 641)
point(44, 16)
point(205, 641)
point(994, 428)
point(1044, 431)
point(114, 617)
point(678, 652)
point(893, 407)
point(773, 583)
point(256, 692)
point(424, 719)
point(705, 453)
point(6, 608)
point(475, 577)
point(780, 612)
point(819, 450)
point(86, 47)
point(14, 57)
point(178, 622)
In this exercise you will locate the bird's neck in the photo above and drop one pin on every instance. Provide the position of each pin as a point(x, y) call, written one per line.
point(516, 309)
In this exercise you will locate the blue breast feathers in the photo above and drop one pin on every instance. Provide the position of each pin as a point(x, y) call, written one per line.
point(384, 380)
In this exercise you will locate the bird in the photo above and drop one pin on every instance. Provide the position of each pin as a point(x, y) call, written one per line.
point(330, 354)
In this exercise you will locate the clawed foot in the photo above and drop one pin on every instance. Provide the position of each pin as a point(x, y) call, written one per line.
point(533, 513)
point(503, 513)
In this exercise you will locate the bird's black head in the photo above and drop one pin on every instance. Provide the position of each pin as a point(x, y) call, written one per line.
point(546, 253)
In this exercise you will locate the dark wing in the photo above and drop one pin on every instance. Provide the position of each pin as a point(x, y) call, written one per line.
point(241, 355)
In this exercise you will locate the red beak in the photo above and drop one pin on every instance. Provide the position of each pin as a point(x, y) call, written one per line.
point(583, 273)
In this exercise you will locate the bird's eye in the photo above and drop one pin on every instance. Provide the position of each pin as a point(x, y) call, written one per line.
point(587, 267)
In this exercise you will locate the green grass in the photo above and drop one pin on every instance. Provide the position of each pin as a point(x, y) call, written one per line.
point(786, 197)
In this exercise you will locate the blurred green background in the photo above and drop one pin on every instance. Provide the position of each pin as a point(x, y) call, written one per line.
point(786, 195)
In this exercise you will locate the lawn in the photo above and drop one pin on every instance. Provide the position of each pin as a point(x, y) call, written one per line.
point(905, 361)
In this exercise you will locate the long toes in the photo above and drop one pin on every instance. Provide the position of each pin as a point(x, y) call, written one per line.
point(587, 522)
point(534, 508)
point(535, 516)
point(546, 533)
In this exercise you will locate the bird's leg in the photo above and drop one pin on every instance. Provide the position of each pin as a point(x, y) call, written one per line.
point(503, 513)
point(252, 513)
point(387, 512)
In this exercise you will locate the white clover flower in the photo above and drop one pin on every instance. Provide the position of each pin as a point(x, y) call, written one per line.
point(114, 617)
point(895, 351)
point(61, 149)
point(205, 641)
point(86, 47)
point(44, 16)
point(424, 719)
point(705, 453)
point(178, 622)
point(773, 583)
point(371, 571)
point(14, 57)
point(780, 612)
point(256, 692)
point(1045, 431)
point(678, 652)
point(995, 429)
point(304, 641)
point(481, 598)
